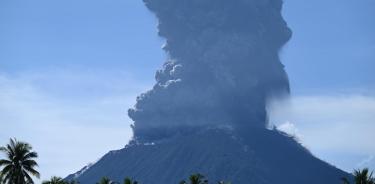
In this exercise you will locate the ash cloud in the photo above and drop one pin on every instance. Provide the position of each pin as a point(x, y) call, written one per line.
point(223, 64)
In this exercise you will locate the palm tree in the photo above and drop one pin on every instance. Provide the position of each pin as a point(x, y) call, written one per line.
point(19, 163)
point(55, 180)
point(129, 181)
point(73, 182)
point(196, 179)
point(361, 177)
point(105, 180)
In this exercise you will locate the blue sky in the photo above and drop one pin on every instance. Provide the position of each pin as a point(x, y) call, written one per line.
point(69, 70)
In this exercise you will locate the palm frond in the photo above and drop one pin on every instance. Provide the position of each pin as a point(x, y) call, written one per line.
point(19, 164)
point(32, 171)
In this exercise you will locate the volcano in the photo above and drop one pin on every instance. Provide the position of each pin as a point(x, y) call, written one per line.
point(207, 111)
point(262, 157)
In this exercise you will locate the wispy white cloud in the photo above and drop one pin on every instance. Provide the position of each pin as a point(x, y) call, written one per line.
point(71, 117)
point(340, 124)
point(290, 129)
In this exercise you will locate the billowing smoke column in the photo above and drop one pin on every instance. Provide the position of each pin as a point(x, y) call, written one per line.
point(223, 64)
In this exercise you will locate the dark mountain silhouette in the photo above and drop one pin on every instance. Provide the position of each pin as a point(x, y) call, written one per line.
point(262, 157)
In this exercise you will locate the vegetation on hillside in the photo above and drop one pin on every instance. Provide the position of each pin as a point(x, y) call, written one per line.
point(361, 177)
point(58, 180)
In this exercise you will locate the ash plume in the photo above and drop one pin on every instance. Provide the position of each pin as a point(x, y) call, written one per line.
point(223, 64)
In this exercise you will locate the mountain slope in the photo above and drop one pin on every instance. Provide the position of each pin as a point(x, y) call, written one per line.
point(260, 157)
